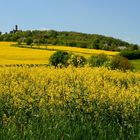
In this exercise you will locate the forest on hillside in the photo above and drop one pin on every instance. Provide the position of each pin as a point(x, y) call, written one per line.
point(74, 39)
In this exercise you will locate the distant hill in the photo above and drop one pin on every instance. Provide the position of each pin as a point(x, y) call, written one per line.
point(74, 39)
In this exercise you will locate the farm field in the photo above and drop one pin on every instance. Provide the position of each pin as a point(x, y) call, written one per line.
point(86, 52)
point(10, 55)
point(37, 55)
point(69, 103)
point(14, 55)
point(83, 51)
point(79, 51)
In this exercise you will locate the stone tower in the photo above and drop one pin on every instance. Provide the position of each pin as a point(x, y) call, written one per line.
point(16, 28)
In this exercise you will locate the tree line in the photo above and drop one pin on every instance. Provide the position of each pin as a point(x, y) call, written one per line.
point(73, 39)
point(64, 59)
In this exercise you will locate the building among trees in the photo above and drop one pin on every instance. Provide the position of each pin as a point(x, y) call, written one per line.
point(15, 29)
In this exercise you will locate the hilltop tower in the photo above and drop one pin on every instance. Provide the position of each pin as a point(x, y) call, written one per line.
point(16, 28)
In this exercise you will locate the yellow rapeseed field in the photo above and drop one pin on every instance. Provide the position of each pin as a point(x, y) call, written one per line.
point(14, 55)
point(35, 55)
point(47, 102)
point(118, 91)
point(82, 51)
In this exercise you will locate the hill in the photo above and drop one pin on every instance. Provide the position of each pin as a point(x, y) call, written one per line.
point(62, 38)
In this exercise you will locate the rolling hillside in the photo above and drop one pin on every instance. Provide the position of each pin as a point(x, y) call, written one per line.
point(63, 38)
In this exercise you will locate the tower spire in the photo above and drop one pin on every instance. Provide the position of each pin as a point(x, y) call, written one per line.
point(16, 28)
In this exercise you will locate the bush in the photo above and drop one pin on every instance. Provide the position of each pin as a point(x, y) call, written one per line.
point(19, 41)
point(77, 61)
point(29, 41)
point(131, 54)
point(59, 58)
point(97, 60)
point(119, 62)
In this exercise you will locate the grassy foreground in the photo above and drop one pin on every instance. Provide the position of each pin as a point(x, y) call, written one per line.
point(136, 64)
point(69, 104)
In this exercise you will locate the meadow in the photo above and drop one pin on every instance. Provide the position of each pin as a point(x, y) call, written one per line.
point(136, 64)
point(69, 103)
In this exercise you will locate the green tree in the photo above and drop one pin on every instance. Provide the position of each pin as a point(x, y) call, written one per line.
point(119, 62)
point(59, 58)
point(97, 60)
point(29, 41)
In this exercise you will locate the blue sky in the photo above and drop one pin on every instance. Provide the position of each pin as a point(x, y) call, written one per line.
point(116, 18)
